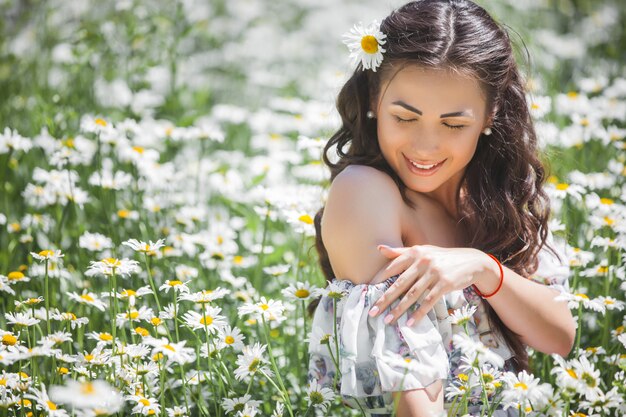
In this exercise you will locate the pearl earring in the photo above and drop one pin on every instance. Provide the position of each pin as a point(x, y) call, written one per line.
point(370, 114)
point(487, 131)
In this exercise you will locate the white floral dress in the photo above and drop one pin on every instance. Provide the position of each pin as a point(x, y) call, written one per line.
point(377, 359)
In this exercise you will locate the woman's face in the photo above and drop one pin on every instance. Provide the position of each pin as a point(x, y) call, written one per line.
point(429, 117)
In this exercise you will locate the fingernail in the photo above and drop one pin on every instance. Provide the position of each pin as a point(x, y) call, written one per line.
point(373, 311)
point(410, 322)
point(388, 318)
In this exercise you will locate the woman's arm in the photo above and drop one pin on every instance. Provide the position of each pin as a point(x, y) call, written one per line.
point(363, 209)
point(528, 308)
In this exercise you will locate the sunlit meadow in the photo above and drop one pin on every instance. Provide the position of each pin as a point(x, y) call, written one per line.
point(160, 166)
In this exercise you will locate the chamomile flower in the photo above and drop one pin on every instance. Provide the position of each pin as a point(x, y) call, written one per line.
point(100, 337)
point(269, 309)
point(300, 291)
point(94, 242)
point(210, 320)
point(21, 319)
point(144, 405)
point(147, 248)
point(463, 315)
point(205, 296)
point(177, 352)
point(238, 403)
point(251, 361)
point(175, 285)
point(319, 396)
point(231, 336)
point(365, 44)
point(48, 255)
point(96, 394)
point(108, 266)
point(88, 298)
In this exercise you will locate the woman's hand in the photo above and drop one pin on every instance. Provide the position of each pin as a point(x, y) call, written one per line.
point(427, 267)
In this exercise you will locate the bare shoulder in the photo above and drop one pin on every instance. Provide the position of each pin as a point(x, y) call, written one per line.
point(363, 209)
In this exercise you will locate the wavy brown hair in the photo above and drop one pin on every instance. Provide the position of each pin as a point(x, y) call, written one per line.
point(505, 209)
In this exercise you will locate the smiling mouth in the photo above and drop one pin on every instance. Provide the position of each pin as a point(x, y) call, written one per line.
point(423, 170)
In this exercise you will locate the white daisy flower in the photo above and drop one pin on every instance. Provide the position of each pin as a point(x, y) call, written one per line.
point(146, 406)
point(21, 319)
point(48, 255)
point(211, 320)
point(89, 394)
point(463, 315)
point(108, 266)
point(319, 396)
point(237, 404)
point(147, 248)
point(476, 349)
point(94, 242)
point(205, 296)
point(300, 291)
point(87, 298)
point(365, 44)
point(251, 361)
point(231, 336)
point(268, 309)
point(175, 285)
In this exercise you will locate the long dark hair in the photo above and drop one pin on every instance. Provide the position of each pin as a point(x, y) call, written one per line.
point(505, 209)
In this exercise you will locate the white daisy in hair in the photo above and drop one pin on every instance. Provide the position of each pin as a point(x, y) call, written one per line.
point(365, 44)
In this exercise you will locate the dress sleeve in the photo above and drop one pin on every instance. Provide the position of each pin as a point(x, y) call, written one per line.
point(551, 271)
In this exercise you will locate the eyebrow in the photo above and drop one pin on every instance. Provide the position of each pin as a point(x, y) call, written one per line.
point(414, 110)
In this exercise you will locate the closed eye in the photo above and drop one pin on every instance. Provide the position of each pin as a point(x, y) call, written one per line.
point(401, 120)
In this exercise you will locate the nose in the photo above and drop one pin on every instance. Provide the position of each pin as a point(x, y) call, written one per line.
point(425, 145)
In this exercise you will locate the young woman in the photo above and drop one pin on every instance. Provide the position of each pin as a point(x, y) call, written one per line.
point(442, 166)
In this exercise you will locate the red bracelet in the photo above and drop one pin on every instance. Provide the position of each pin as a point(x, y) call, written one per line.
point(499, 285)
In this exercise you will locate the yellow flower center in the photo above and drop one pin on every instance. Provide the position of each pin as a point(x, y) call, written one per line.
point(106, 337)
point(581, 295)
point(100, 122)
point(302, 293)
point(138, 149)
point(51, 405)
point(88, 358)
point(87, 388)
point(521, 385)
point(46, 253)
point(128, 293)
point(369, 44)
point(206, 320)
point(229, 340)
point(305, 218)
point(145, 402)
point(237, 259)
point(15, 275)
point(141, 331)
point(114, 262)
point(264, 306)
point(9, 339)
point(123, 213)
point(606, 201)
point(87, 297)
point(170, 347)
point(175, 283)
point(562, 186)
point(155, 321)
